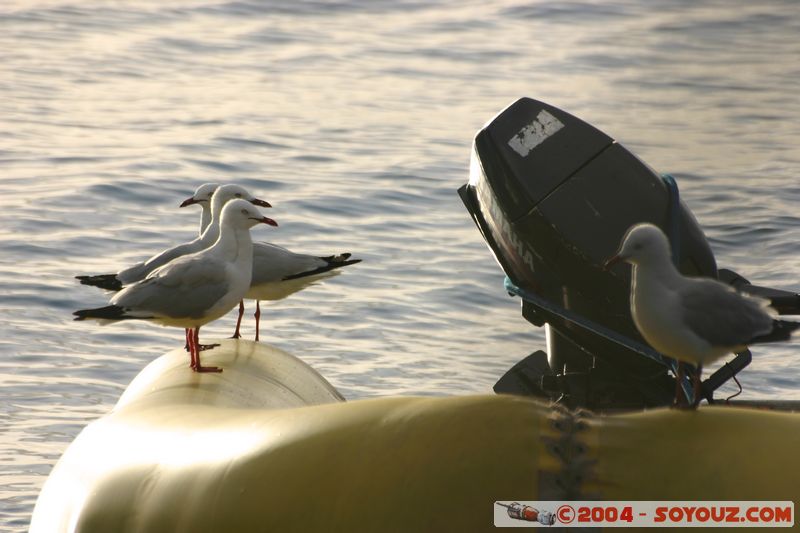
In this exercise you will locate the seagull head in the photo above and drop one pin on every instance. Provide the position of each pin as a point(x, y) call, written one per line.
point(642, 243)
point(202, 195)
point(225, 193)
point(242, 213)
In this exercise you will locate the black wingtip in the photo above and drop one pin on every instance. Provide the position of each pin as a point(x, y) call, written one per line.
point(109, 312)
point(332, 258)
point(103, 281)
point(786, 327)
point(334, 262)
point(340, 260)
point(781, 331)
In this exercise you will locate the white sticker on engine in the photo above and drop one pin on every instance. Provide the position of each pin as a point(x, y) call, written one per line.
point(535, 133)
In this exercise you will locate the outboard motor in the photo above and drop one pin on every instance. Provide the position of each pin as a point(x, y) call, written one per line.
point(553, 197)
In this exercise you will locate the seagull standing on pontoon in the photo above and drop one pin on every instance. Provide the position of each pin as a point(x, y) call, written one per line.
point(139, 271)
point(194, 289)
point(695, 320)
point(277, 272)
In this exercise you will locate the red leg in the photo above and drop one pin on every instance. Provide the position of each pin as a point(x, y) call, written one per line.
point(236, 334)
point(192, 351)
point(678, 385)
point(257, 314)
point(199, 367)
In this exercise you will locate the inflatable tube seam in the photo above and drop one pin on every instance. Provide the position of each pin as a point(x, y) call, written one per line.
point(568, 465)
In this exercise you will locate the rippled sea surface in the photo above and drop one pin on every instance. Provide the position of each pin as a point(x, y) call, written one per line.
point(355, 121)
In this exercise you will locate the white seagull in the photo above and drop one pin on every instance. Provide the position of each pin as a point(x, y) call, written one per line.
point(695, 320)
point(277, 272)
point(139, 271)
point(194, 289)
point(202, 197)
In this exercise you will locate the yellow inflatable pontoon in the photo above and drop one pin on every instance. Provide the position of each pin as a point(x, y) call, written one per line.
point(269, 445)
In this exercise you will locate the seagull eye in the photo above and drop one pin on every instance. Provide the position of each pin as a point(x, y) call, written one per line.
point(238, 195)
point(245, 212)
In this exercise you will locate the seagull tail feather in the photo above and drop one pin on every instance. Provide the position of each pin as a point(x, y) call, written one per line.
point(104, 281)
point(781, 331)
point(109, 312)
point(333, 262)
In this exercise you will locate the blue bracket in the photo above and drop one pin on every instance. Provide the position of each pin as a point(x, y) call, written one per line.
point(673, 233)
point(585, 323)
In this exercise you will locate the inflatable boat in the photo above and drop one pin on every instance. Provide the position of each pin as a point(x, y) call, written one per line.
point(270, 445)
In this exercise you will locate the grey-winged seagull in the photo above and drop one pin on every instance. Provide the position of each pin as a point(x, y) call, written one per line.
point(696, 320)
point(141, 270)
point(194, 289)
point(277, 272)
point(202, 197)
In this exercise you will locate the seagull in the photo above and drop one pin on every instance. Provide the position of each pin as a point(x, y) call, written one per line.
point(693, 320)
point(278, 273)
point(194, 289)
point(140, 271)
point(202, 197)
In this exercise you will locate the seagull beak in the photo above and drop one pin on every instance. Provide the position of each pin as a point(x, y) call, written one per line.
point(260, 203)
point(188, 201)
point(612, 261)
point(269, 221)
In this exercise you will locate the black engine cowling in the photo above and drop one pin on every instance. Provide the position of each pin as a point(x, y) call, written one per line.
point(553, 197)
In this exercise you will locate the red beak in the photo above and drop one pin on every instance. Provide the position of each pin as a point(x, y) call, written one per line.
point(269, 221)
point(260, 203)
point(188, 201)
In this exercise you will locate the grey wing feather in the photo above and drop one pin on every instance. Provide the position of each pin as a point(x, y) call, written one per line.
point(272, 263)
point(186, 287)
point(721, 316)
point(140, 271)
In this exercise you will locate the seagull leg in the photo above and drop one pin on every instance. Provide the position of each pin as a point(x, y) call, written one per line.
point(192, 351)
point(236, 334)
point(196, 343)
point(698, 386)
point(188, 340)
point(257, 314)
point(678, 388)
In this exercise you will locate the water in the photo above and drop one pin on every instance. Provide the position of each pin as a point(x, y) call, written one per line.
point(355, 120)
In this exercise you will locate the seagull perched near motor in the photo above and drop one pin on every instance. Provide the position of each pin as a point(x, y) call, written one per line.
point(194, 289)
point(694, 320)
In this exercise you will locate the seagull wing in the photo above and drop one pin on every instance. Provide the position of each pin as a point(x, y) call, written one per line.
point(720, 315)
point(272, 263)
point(184, 288)
point(141, 270)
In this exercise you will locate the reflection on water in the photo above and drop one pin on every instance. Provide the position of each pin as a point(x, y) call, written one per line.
point(355, 121)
